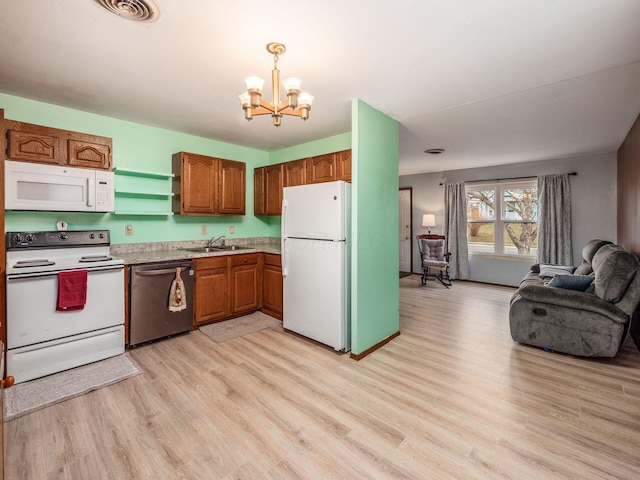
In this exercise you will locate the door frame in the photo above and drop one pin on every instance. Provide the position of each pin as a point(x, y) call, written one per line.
point(410, 226)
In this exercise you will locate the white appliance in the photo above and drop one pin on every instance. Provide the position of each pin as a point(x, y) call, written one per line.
point(315, 262)
point(42, 340)
point(34, 186)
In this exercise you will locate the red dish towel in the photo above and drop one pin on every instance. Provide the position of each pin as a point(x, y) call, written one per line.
point(72, 290)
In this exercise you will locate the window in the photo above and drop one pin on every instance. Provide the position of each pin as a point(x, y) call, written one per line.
point(502, 218)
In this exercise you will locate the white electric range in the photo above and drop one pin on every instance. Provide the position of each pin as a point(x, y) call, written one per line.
point(42, 340)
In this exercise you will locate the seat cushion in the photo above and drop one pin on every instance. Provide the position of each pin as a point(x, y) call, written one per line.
point(432, 249)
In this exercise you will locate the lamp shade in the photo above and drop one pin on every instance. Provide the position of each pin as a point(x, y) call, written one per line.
point(428, 220)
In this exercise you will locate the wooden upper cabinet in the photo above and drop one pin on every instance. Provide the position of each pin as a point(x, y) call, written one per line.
point(321, 168)
point(30, 145)
point(258, 191)
point(343, 165)
point(90, 154)
point(196, 178)
point(273, 189)
point(34, 143)
point(206, 185)
point(232, 186)
point(270, 180)
point(295, 173)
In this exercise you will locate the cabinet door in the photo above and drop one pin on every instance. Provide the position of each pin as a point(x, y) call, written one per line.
point(211, 294)
point(272, 286)
point(231, 187)
point(245, 279)
point(295, 173)
point(321, 168)
point(33, 143)
point(258, 191)
point(273, 189)
point(89, 154)
point(198, 182)
point(343, 165)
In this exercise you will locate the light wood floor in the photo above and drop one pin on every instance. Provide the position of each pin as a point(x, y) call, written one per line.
point(453, 397)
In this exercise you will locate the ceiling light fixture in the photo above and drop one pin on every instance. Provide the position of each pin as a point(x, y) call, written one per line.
point(435, 151)
point(297, 104)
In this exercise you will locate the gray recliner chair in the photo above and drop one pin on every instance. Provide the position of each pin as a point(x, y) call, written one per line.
point(591, 323)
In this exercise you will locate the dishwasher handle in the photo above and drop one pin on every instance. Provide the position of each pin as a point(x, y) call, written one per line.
point(163, 271)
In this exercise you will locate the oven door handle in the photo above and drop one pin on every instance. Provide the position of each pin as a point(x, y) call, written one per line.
point(16, 276)
point(163, 271)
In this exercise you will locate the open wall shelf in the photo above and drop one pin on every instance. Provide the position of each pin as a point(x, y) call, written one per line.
point(139, 192)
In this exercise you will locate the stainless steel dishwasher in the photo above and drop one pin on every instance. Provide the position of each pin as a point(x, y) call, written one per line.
point(149, 314)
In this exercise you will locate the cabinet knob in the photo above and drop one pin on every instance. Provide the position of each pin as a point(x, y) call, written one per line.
point(245, 260)
point(7, 382)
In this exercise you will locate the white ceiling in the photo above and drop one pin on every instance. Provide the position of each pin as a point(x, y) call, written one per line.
point(491, 81)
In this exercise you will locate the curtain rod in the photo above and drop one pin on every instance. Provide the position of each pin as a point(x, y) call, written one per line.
point(509, 178)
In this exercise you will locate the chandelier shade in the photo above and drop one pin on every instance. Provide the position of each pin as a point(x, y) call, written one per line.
point(297, 103)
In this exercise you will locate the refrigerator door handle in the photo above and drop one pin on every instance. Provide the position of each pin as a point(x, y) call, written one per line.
point(284, 256)
point(285, 204)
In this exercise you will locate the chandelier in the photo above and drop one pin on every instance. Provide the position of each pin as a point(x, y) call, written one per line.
point(297, 104)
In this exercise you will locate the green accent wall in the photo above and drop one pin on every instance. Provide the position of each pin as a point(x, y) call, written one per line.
point(140, 147)
point(335, 143)
point(374, 228)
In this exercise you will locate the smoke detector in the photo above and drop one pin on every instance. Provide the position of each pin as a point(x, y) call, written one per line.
point(139, 10)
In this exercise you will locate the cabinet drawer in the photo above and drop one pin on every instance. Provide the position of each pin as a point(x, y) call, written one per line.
point(246, 259)
point(210, 262)
point(272, 259)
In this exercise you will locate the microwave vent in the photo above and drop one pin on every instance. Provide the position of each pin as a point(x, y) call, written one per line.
point(140, 10)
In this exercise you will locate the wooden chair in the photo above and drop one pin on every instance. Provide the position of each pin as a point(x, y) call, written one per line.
point(435, 258)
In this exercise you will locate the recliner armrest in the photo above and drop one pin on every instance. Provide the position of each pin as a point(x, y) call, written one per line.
point(573, 299)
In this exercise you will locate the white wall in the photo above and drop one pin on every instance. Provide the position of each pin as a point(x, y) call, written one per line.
point(593, 197)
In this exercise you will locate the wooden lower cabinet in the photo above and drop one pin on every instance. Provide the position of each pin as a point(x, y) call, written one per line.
point(246, 293)
point(272, 286)
point(212, 293)
point(234, 285)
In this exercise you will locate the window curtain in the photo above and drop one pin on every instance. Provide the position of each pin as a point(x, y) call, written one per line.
point(554, 220)
point(455, 228)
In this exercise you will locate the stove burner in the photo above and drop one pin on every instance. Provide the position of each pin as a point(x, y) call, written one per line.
point(42, 262)
point(95, 258)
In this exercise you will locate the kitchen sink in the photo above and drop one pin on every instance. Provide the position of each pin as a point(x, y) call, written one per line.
point(226, 248)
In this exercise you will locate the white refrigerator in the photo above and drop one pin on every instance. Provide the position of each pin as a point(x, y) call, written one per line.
point(315, 262)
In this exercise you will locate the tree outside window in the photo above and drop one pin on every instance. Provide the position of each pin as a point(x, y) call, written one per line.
point(514, 231)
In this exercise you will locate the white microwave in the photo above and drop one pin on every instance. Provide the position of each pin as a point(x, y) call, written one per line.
point(35, 186)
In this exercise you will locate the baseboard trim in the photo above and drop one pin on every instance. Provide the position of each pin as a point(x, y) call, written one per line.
point(369, 350)
point(485, 283)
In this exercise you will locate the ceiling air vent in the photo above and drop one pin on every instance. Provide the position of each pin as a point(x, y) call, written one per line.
point(140, 10)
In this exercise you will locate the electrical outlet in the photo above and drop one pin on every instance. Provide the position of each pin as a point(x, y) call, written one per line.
point(128, 229)
point(203, 229)
point(231, 229)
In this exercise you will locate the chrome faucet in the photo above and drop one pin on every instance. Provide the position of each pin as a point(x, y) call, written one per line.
point(213, 240)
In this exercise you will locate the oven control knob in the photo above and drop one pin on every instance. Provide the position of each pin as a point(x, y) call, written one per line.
point(18, 238)
point(29, 238)
point(63, 236)
point(92, 236)
point(101, 235)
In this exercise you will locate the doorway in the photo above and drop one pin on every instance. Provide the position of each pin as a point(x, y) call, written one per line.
point(405, 228)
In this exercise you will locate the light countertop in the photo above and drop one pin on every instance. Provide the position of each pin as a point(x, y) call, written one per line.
point(161, 252)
